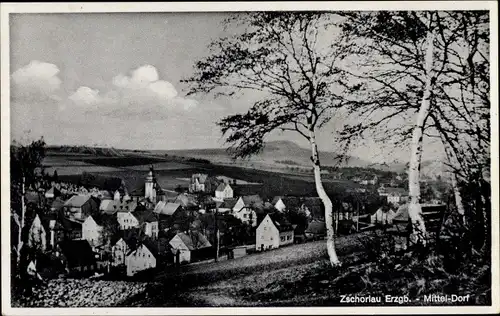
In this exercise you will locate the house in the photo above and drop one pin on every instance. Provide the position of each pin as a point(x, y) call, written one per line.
point(198, 181)
point(143, 257)
point(143, 219)
point(78, 256)
point(273, 232)
point(52, 193)
point(227, 205)
point(315, 230)
point(164, 208)
point(201, 182)
point(224, 191)
point(186, 244)
point(397, 195)
point(37, 236)
point(382, 216)
point(148, 221)
point(123, 246)
point(93, 226)
point(81, 206)
point(112, 206)
point(45, 232)
point(246, 209)
point(185, 200)
point(286, 203)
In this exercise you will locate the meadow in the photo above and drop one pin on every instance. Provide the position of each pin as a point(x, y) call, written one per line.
point(173, 173)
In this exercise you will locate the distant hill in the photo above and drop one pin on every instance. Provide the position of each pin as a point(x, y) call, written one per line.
point(279, 152)
point(87, 150)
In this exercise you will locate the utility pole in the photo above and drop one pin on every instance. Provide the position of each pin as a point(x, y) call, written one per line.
point(217, 234)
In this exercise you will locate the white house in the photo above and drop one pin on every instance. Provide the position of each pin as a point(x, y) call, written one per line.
point(148, 221)
point(145, 219)
point(198, 183)
point(272, 234)
point(37, 234)
point(126, 220)
point(142, 258)
point(224, 191)
point(185, 244)
point(92, 229)
point(397, 197)
point(119, 251)
point(245, 209)
point(383, 217)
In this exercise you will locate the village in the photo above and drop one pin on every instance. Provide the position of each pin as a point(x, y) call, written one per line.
point(262, 158)
point(83, 232)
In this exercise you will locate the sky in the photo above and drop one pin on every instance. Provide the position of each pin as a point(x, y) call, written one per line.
point(115, 80)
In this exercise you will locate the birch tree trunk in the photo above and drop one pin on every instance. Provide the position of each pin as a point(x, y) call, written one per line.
point(458, 197)
point(330, 242)
point(414, 209)
point(20, 233)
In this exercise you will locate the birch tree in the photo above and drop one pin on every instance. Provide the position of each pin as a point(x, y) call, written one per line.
point(417, 67)
point(289, 60)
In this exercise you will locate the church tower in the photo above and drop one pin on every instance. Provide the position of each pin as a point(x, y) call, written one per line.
point(150, 189)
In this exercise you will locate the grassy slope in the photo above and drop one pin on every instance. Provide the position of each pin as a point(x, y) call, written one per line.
point(299, 275)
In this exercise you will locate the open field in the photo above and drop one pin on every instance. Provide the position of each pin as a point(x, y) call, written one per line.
point(173, 172)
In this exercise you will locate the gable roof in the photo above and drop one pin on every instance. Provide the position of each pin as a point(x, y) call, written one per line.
point(281, 223)
point(166, 208)
point(77, 200)
point(222, 187)
point(194, 240)
point(291, 202)
point(53, 191)
point(202, 178)
point(57, 204)
point(228, 203)
point(186, 200)
point(145, 216)
point(112, 206)
point(253, 201)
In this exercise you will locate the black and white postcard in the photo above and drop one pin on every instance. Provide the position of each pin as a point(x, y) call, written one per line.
point(250, 158)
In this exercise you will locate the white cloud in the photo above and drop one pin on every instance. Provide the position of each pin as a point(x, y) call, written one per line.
point(85, 95)
point(144, 81)
point(36, 81)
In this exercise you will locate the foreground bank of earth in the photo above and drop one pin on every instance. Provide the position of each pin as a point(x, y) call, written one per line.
point(80, 293)
point(300, 275)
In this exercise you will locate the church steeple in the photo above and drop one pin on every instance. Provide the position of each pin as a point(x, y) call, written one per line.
point(150, 185)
